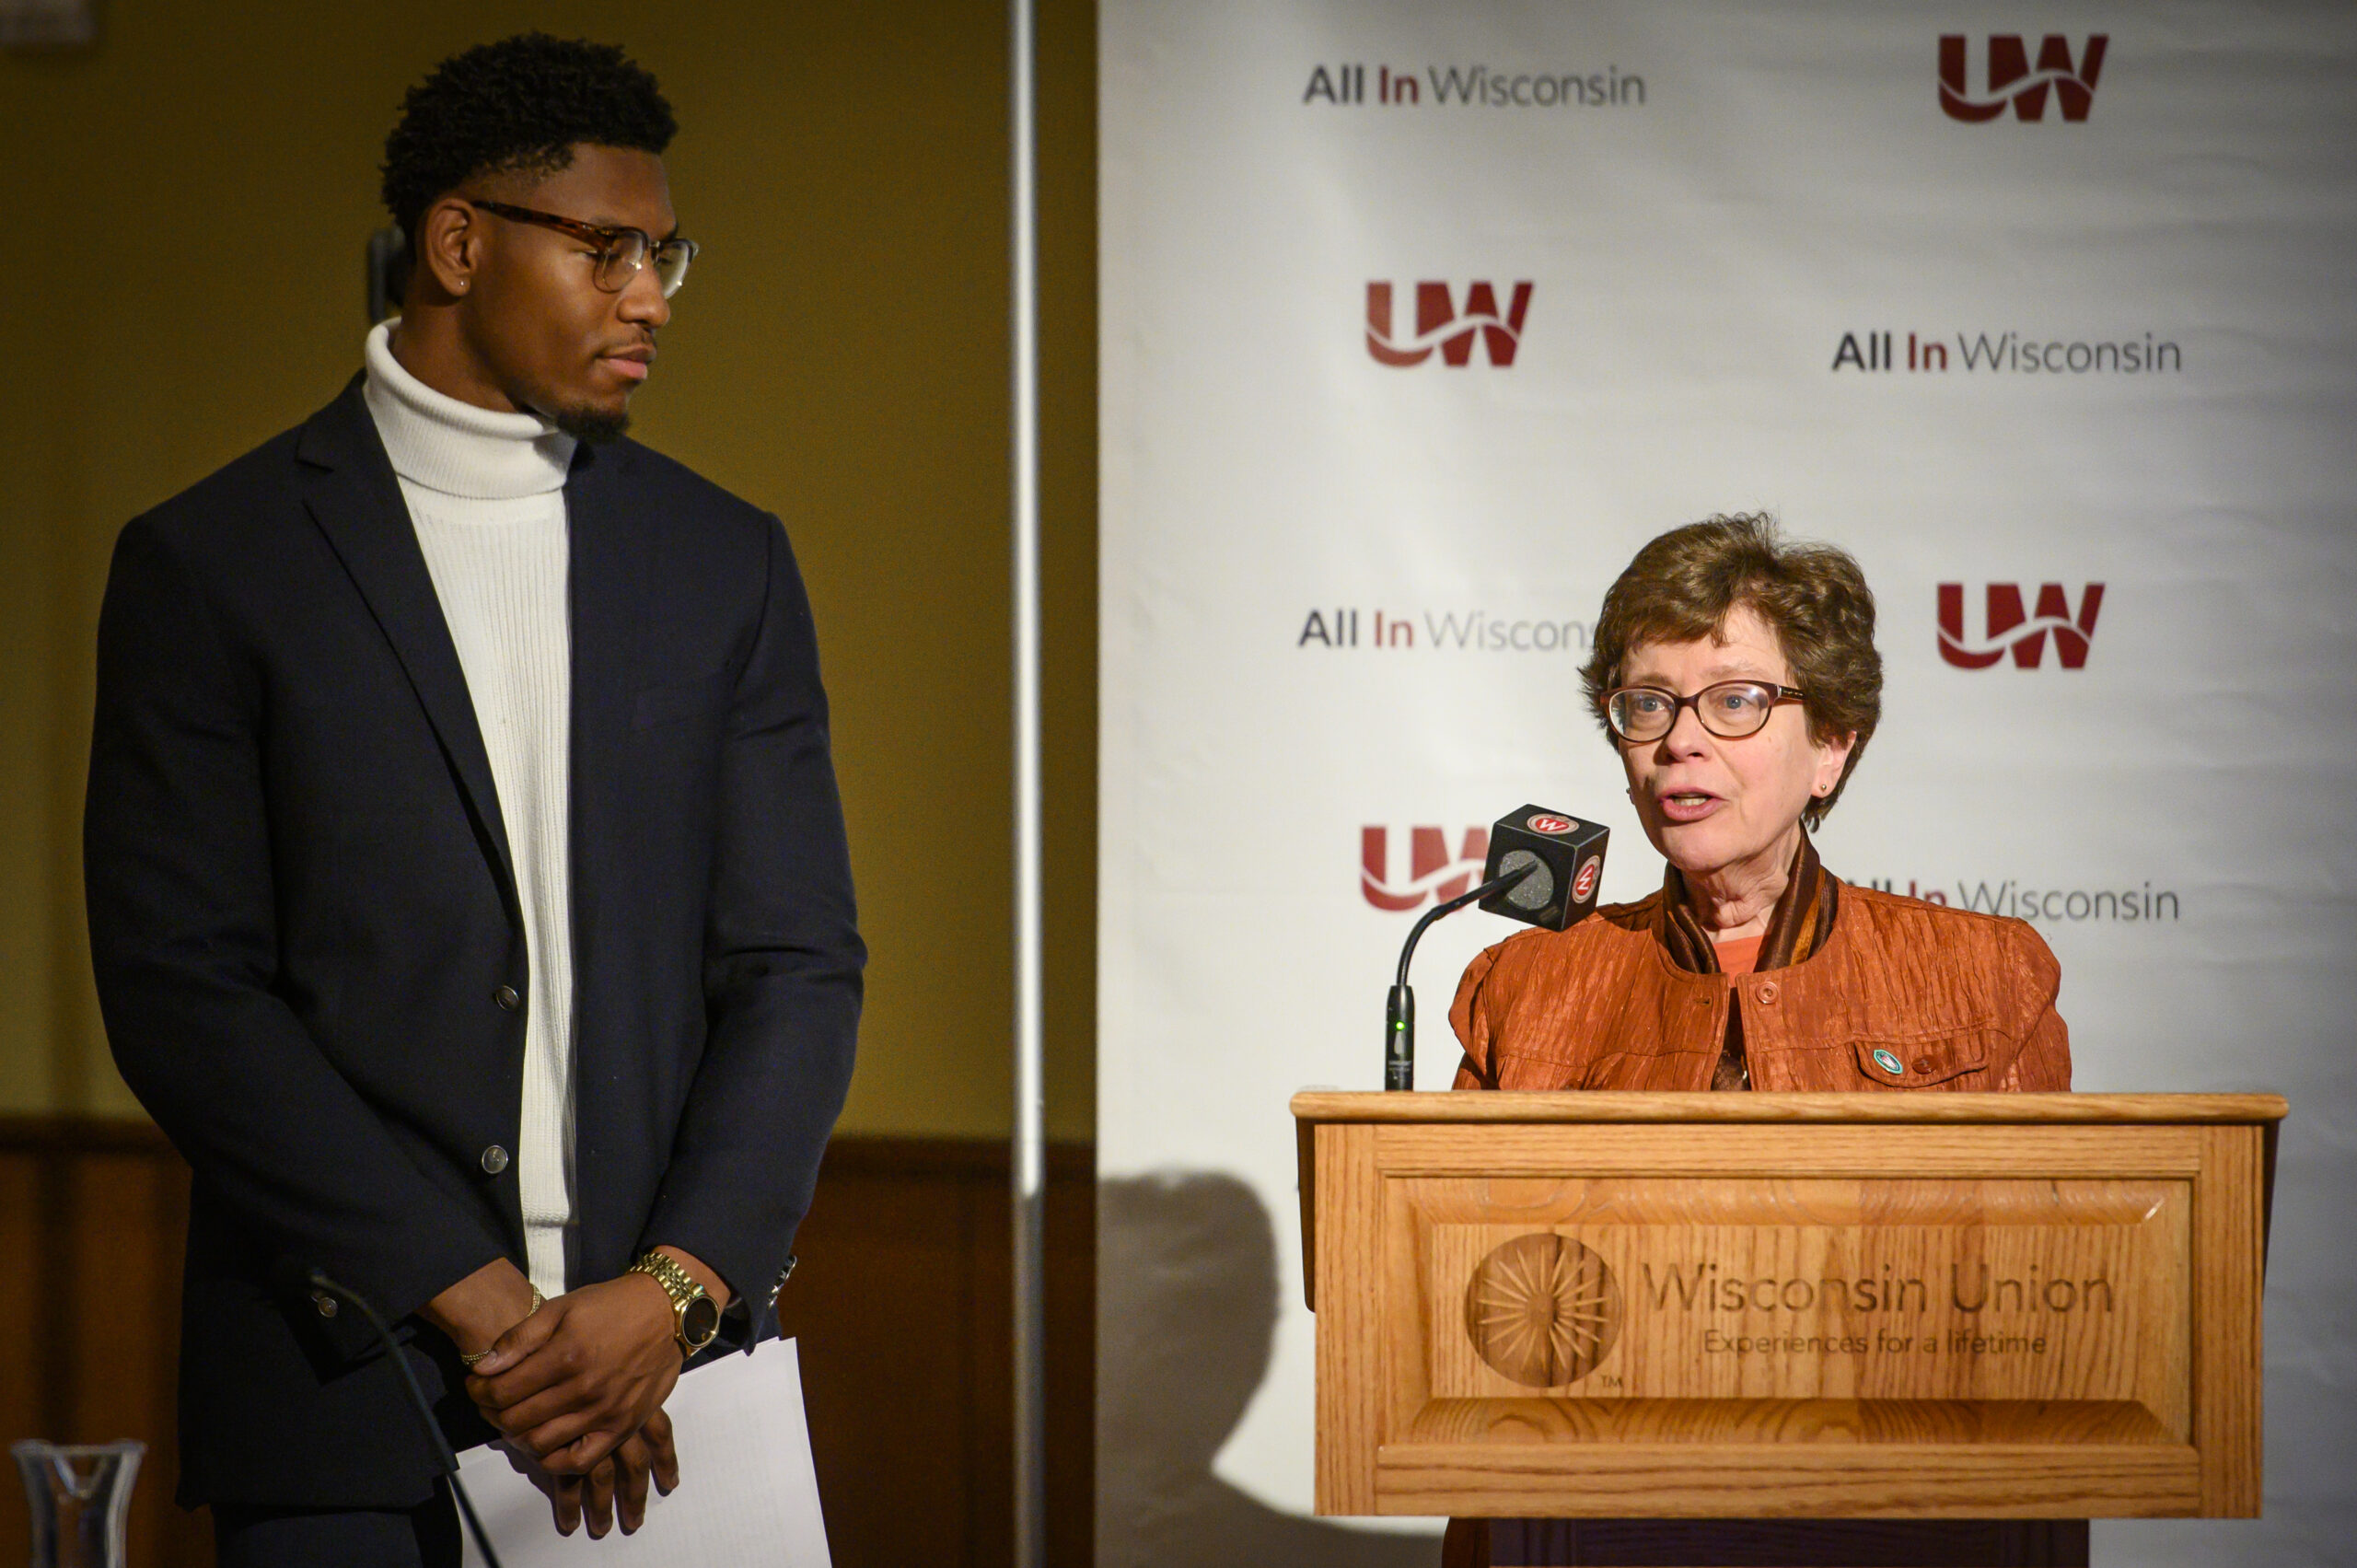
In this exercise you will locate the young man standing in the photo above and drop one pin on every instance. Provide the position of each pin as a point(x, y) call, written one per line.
point(468, 890)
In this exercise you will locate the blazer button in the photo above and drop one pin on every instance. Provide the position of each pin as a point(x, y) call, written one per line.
point(1923, 1065)
point(1767, 994)
point(505, 996)
point(324, 1302)
point(495, 1159)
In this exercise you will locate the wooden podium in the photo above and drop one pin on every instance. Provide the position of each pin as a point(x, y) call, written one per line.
point(1787, 1306)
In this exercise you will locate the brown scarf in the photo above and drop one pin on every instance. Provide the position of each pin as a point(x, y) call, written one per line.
point(1797, 927)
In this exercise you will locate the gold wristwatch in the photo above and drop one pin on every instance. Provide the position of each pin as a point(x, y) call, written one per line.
point(695, 1316)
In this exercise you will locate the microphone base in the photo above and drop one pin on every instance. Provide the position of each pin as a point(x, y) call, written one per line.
point(1399, 1038)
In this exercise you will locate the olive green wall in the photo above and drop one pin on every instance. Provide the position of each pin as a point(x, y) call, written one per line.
point(188, 201)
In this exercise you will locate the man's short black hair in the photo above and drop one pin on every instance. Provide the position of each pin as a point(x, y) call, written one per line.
point(521, 103)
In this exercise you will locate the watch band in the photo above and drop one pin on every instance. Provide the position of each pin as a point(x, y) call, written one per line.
point(695, 1316)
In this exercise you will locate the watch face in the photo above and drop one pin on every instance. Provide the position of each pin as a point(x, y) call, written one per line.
point(700, 1322)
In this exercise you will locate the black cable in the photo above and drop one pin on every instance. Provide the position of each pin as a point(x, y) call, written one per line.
point(1495, 885)
point(1400, 1006)
point(425, 1411)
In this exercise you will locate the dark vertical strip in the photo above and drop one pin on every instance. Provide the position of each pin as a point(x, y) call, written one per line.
point(177, 1536)
point(972, 1414)
point(53, 1318)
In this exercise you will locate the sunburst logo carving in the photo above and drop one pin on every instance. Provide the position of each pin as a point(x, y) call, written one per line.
point(1542, 1310)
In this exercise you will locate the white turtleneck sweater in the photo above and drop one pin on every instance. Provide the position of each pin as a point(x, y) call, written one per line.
point(486, 495)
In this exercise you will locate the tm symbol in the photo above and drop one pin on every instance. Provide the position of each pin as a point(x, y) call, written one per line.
point(1607, 1380)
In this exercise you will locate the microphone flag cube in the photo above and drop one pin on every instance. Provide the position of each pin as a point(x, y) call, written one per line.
point(1569, 855)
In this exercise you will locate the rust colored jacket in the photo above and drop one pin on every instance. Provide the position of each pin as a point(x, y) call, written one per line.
point(1958, 1000)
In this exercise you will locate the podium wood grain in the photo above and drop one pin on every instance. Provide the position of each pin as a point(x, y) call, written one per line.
point(1786, 1306)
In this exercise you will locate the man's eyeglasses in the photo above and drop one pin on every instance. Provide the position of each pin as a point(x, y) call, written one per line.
point(1730, 710)
point(620, 251)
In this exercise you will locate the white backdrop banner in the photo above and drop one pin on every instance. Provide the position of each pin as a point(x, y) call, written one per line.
point(1418, 318)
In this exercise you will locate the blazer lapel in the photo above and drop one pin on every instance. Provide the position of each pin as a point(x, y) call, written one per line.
point(353, 496)
point(605, 582)
point(606, 577)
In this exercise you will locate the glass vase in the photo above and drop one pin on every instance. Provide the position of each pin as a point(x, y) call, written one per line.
point(81, 1500)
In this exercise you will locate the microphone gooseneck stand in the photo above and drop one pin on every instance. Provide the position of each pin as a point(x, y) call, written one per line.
point(1399, 1006)
point(441, 1445)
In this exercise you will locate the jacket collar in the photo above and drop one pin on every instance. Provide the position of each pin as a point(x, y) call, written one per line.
point(353, 496)
point(1797, 927)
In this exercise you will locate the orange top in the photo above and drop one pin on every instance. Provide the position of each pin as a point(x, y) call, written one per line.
point(1902, 996)
point(1740, 956)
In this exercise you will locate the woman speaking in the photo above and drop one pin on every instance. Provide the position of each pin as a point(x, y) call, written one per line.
point(1737, 677)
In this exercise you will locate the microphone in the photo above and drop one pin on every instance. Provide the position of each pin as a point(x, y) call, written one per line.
point(1544, 869)
point(441, 1445)
point(1569, 854)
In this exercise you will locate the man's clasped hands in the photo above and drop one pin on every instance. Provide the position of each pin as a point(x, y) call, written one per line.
point(577, 1385)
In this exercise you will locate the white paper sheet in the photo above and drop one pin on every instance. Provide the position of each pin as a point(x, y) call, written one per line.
point(748, 1491)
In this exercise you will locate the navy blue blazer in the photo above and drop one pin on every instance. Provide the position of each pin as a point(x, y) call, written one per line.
point(304, 926)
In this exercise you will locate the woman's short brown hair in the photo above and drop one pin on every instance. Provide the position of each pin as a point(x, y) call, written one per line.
point(1682, 588)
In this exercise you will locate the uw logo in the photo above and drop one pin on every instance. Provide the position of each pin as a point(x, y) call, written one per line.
point(2013, 81)
point(2010, 626)
point(1431, 875)
point(1543, 1310)
point(1438, 325)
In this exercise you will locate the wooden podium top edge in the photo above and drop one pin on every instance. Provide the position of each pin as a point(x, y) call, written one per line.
point(1623, 1106)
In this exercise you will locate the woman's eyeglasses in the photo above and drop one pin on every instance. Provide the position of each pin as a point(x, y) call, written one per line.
point(1730, 710)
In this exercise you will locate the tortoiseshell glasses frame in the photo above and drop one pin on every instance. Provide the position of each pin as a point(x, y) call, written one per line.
point(620, 251)
point(1728, 709)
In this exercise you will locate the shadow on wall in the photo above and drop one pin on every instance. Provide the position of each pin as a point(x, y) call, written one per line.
point(1187, 1307)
